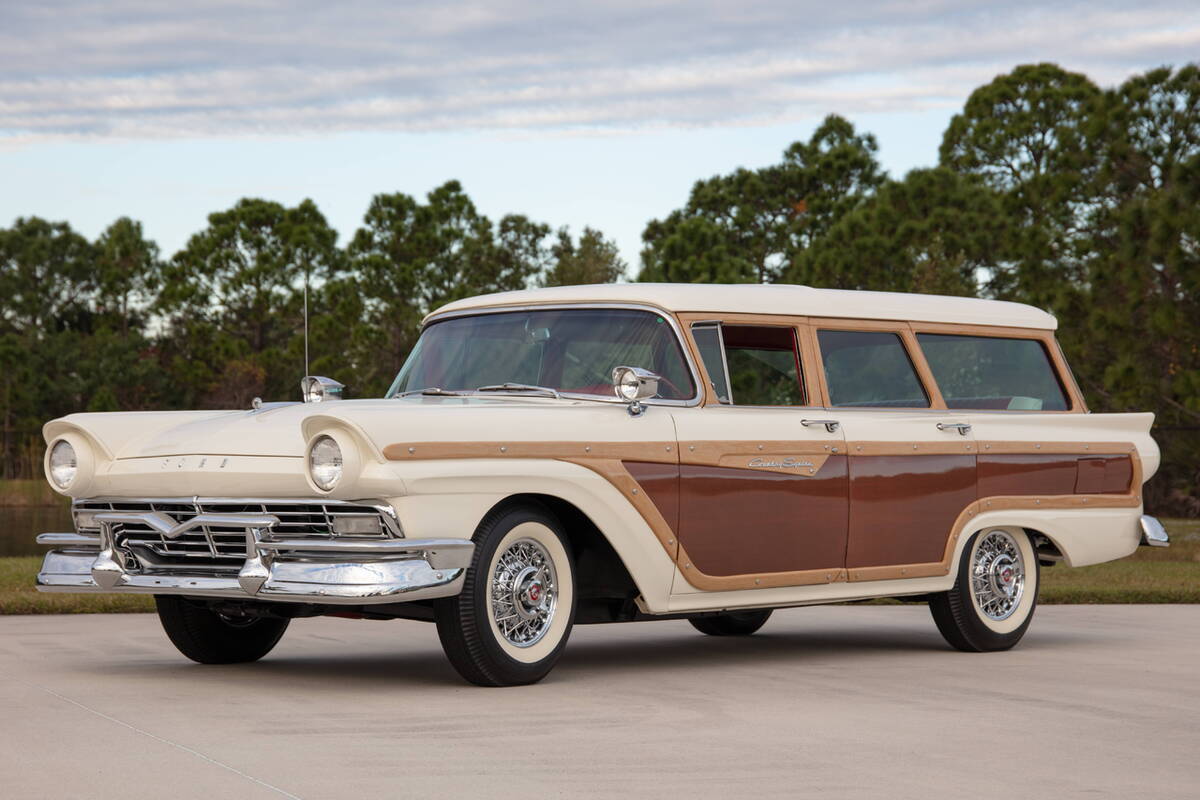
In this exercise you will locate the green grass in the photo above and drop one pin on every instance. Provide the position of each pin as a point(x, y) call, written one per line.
point(1151, 575)
point(25, 493)
point(18, 595)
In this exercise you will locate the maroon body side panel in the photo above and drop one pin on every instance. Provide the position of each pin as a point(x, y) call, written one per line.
point(1104, 475)
point(1026, 473)
point(746, 521)
point(902, 508)
point(1040, 474)
point(660, 482)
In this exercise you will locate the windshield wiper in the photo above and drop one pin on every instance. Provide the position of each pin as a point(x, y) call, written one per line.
point(519, 387)
point(431, 390)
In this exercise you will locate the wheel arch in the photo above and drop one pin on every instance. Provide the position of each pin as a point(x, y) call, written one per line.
point(606, 586)
point(1074, 537)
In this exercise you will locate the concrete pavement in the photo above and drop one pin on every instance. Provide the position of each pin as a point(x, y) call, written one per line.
point(830, 702)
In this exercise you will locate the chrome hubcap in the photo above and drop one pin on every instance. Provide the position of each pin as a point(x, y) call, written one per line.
point(524, 593)
point(998, 575)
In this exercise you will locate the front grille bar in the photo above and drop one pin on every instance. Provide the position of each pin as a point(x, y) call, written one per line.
point(220, 543)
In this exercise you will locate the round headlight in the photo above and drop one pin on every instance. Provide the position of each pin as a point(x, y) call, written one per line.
point(626, 384)
point(325, 462)
point(63, 463)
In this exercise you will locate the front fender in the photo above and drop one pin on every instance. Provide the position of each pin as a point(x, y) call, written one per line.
point(448, 498)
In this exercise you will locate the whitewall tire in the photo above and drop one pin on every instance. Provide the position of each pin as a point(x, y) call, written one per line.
point(513, 618)
point(994, 594)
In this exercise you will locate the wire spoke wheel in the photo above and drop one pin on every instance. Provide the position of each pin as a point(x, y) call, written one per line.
point(511, 621)
point(998, 575)
point(524, 593)
point(994, 595)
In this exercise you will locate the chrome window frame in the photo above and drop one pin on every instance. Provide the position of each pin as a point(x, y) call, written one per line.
point(716, 323)
point(680, 341)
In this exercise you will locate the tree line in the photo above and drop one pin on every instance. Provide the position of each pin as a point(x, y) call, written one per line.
point(1048, 190)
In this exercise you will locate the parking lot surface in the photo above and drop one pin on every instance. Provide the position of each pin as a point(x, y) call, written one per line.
point(846, 701)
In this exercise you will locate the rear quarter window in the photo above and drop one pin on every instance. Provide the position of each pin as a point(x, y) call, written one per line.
point(993, 373)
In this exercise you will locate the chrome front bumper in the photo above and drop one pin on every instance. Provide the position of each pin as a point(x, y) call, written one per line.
point(325, 571)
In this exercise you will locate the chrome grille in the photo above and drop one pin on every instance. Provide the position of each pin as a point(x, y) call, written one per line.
point(217, 545)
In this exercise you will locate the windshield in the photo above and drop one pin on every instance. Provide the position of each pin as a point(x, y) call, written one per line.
point(568, 350)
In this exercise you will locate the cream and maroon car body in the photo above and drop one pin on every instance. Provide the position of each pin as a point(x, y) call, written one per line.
point(707, 505)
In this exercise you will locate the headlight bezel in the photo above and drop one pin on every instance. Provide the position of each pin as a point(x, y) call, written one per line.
point(85, 463)
point(329, 474)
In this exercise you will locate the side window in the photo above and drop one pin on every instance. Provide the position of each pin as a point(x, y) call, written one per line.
point(871, 369)
point(708, 341)
point(989, 372)
point(752, 365)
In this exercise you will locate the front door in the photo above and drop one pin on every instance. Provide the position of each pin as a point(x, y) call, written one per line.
point(763, 474)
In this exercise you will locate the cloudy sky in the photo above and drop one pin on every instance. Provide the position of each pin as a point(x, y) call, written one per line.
point(598, 113)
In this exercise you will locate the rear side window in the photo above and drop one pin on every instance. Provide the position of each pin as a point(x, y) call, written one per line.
point(869, 369)
point(987, 372)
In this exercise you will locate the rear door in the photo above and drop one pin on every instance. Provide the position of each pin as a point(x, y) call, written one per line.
point(912, 467)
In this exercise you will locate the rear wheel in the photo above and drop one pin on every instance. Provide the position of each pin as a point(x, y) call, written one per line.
point(994, 595)
point(210, 637)
point(732, 623)
point(511, 621)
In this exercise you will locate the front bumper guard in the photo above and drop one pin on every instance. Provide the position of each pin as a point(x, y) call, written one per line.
point(326, 571)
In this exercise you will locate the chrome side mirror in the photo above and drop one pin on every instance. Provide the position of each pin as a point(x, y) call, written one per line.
point(633, 385)
point(319, 389)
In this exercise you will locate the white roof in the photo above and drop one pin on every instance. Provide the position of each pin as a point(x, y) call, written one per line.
point(777, 299)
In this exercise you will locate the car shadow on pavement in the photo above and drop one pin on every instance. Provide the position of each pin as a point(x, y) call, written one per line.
point(415, 663)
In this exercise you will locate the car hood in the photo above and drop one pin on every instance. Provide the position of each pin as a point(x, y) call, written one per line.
point(282, 430)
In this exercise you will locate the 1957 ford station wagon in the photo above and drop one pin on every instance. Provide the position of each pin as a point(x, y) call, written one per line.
point(616, 453)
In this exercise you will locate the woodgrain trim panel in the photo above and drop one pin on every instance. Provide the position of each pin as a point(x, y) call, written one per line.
point(765, 580)
point(657, 452)
point(605, 460)
point(1057, 448)
point(615, 473)
point(923, 448)
point(1132, 499)
point(711, 453)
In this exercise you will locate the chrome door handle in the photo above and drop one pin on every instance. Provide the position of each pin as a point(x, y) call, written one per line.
point(962, 427)
point(831, 425)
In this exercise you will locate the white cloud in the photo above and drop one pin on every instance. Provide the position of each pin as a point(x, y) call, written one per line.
point(140, 69)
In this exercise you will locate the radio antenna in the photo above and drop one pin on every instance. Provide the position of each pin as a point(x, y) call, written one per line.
point(306, 322)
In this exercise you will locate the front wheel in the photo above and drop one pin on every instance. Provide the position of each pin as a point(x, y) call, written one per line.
point(732, 623)
point(994, 595)
point(511, 621)
point(210, 637)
